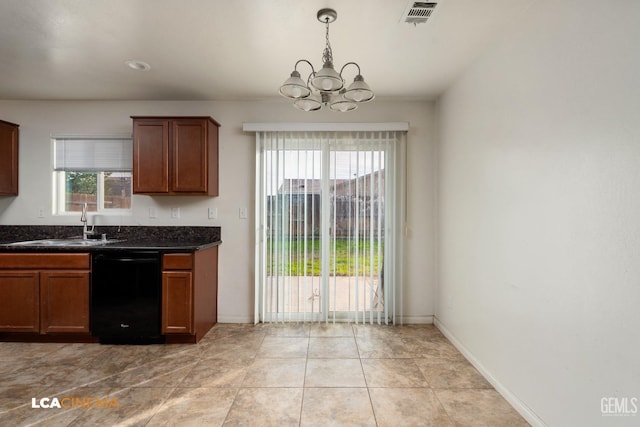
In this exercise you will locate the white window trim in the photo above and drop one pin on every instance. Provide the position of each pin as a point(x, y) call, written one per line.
point(324, 127)
point(58, 177)
point(59, 202)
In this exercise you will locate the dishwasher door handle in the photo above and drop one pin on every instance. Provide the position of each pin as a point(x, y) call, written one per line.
point(127, 260)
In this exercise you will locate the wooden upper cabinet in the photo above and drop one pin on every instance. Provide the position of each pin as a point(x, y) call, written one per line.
point(151, 156)
point(8, 159)
point(175, 155)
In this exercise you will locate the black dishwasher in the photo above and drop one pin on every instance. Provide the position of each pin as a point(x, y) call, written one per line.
point(126, 292)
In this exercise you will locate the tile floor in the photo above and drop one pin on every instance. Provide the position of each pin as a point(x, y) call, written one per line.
point(264, 375)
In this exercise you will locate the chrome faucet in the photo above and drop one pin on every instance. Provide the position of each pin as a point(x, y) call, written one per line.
point(86, 231)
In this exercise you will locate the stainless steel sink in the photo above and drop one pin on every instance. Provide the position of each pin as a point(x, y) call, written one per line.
point(64, 242)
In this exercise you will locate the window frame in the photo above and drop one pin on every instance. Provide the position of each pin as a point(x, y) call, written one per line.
point(59, 190)
point(59, 195)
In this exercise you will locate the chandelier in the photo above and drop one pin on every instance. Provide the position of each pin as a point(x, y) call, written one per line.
point(327, 86)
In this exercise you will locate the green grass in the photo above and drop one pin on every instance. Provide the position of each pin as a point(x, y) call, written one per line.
point(342, 257)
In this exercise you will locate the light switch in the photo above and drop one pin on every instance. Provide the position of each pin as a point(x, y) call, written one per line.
point(175, 213)
point(213, 213)
point(243, 213)
point(153, 212)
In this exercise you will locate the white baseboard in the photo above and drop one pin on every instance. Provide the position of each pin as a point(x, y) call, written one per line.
point(404, 320)
point(517, 404)
point(235, 319)
point(417, 320)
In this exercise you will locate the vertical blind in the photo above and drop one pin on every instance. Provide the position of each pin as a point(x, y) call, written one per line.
point(87, 154)
point(329, 217)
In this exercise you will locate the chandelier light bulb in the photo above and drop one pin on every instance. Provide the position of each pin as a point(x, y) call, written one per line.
point(341, 104)
point(307, 105)
point(310, 103)
point(359, 90)
point(326, 84)
point(294, 87)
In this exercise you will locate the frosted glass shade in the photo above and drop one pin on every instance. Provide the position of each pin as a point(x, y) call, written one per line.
point(359, 90)
point(294, 87)
point(341, 104)
point(327, 79)
point(310, 103)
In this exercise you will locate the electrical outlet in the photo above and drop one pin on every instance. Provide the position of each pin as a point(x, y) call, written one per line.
point(243, 213)
point(41, 212)
point(175, 213)
point(153, 212)
point(213, 213)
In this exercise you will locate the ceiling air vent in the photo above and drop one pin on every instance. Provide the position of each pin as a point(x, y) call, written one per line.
point(418, 12)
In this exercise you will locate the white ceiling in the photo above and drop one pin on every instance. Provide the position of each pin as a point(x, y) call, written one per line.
point(234, 49)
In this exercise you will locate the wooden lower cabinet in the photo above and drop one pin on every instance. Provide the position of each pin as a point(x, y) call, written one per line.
point(64, 302)
point(19, 301)
point(177, 302)
point(46, 296)
point(45, 293)
point(189, 294)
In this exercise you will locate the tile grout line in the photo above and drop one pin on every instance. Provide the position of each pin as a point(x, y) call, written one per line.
point(173, 390)
point(304, 378)
point(235, 397)
point(366, 383)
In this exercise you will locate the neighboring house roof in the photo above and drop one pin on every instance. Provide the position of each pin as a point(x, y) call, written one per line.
point(342, 186)
point(300, 186)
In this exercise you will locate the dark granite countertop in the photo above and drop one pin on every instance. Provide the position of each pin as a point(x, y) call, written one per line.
point(174, 245)
point(176, 239)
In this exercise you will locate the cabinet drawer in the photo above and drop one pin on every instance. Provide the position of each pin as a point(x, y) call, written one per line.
point(46, 260)
point(177, 261)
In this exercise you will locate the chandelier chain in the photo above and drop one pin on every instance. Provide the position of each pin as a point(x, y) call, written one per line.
point(327, 55)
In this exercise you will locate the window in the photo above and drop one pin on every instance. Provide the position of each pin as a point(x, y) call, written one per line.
point(92, 170)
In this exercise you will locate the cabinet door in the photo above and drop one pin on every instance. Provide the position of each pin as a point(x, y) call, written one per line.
point(151, 156)
point(177, 302)
point(19, 301)
point(64, 302)
point(8, 159)
point(190, 157)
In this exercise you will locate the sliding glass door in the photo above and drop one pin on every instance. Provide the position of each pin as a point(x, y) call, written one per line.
point(328, 207)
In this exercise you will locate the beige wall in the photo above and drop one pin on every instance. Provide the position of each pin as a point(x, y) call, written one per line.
point(38, 120)
point(539, 211)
